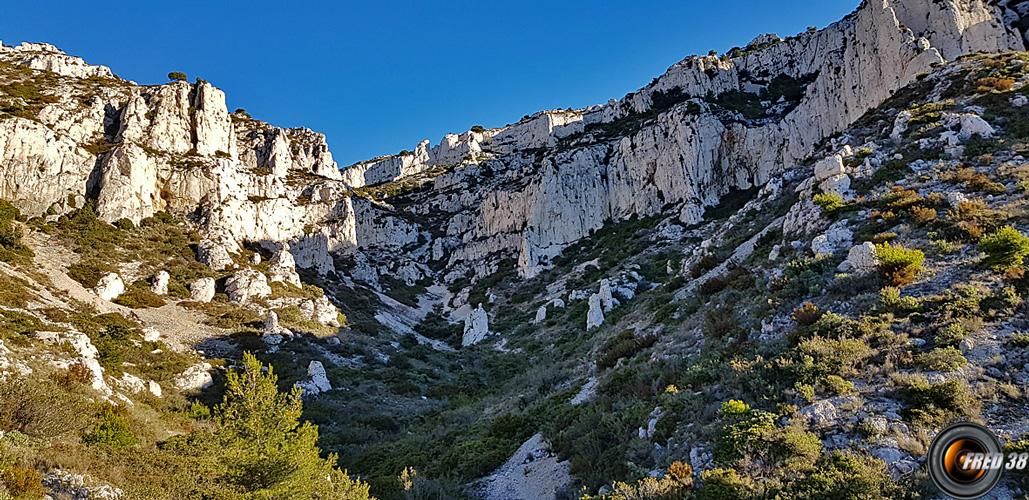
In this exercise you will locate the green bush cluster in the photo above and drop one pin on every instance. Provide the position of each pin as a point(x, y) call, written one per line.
point(626, 344)
point(937, 404)
point(12, 250)
point(1005, 249)
point(830, 202)
point(111, 429)
point(899, 265)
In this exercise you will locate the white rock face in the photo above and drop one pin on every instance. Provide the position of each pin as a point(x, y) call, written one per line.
point(109, 287)
point(195, 378)
point(476, 327)
point(159, 285)
point(317, 382)
point(595, 315)
point(88, 354)
point(860, 259)
point(202, 290)
point(246, 285)
point(151, 334)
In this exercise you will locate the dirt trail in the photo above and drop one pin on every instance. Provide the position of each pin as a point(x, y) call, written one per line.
point(180, 328)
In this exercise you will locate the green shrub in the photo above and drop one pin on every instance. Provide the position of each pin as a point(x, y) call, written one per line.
point(845, 475)
point(111, 429)
point(139, 296)
point(829, 202)
point(1005, 249)
point(625, 344)
point(723, 484)
point(942, 359)
point(899, 265)
point(742, 429)
point(952, 334)
point(177, 76)
point(937, 404)
point(891, 299)
point(40, 408)
point(807, 314)
point(674, 484)
point(89, 272)
point(22, 482)
point(820, 357)
point(1020, 339)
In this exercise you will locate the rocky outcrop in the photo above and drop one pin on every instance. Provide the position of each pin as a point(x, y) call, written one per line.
point(317, 382)
point(159, 284)
point(246, 285)
point(109, 287)
point(46, 57)
point(476, 327)
point(595, 314)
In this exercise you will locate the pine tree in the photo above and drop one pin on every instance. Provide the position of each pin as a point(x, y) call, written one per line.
point(265, 450)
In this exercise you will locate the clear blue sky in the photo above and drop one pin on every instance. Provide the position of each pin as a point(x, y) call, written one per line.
point(379, 76)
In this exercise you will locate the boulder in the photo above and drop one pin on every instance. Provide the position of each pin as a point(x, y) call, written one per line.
point(159, 285)
point(202, 290)
point(828, 167)
point(325, 312)
point(195, 378)
point(476, 327)
point(826, 412)
point(109, 287)
point(595, 315)
point(835, 238)
point(246, 285)
point(215, 254)
point(541, 314)
point(839, 184)
point(317, 382)
point(151, 334)
point(860, 259)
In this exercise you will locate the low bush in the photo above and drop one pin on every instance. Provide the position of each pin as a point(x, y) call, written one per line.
point(110, 430)
point(829, 202)
point(899, 265)
point(843, 474)
point(138, 296)
point(11, 247)
point(1005, 249)
point(807, 314)
point(22, 482)
point(721, 484)
point(942, 359)
point(624, 345)
point(937, 404)
point(951, 334)
point(820, 357)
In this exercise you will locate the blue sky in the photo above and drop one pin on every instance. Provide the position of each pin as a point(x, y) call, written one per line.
point(377, 77)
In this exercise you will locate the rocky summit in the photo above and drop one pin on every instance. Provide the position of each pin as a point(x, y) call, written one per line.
point(774, 272)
